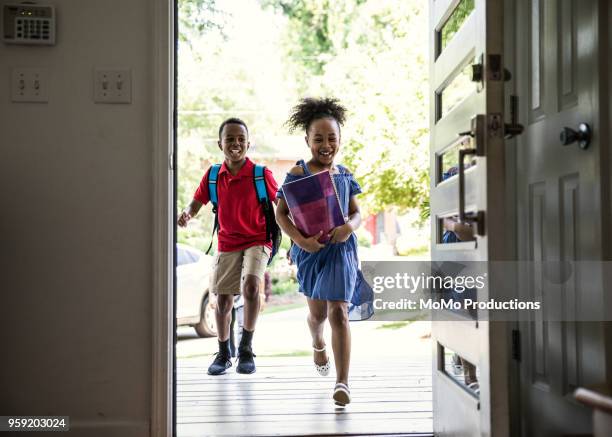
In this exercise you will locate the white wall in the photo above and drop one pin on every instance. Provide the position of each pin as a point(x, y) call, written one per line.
point(75, 226)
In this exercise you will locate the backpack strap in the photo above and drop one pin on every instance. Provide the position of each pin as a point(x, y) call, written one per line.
point(213, 177)
point(262, 195)
point(260, 183)
point(273, 232)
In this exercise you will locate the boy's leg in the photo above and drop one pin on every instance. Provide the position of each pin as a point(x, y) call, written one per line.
point(232, 336)
point(250, 293)
point(224, 281)
point(341, 338)
point(253, 269)
point(223, 315)
point(254, 266)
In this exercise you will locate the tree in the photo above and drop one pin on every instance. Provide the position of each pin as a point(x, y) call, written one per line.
point(373, 56)
point(197, 17)
point(255, 59)
point(221, 75)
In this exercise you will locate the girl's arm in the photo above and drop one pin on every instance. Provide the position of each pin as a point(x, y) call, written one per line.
point(282, 218)
point(342, 233)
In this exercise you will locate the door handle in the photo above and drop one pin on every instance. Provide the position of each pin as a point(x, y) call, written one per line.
point(462, 154)
point(513, 128)
point(582, 136)
point(478, 133)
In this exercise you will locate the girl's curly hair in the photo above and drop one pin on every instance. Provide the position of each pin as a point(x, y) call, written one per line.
point(310, 109)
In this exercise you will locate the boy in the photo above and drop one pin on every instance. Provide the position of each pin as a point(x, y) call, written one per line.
point(243, 247)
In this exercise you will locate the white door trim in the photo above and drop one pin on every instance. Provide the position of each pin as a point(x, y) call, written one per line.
point(162, 33)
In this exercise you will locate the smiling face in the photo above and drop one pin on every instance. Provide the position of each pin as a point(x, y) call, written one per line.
point(323, 138)
point(234, 142)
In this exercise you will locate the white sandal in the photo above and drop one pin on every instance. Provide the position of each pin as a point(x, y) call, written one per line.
point(342, 394)
point(322, 369)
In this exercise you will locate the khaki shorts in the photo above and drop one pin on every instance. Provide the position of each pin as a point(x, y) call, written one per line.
point(230, 268)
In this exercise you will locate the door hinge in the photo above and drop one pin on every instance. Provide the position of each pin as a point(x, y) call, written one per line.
point(171, 161)
point(516, 345)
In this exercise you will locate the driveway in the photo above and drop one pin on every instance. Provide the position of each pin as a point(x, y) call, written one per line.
point(285, 334)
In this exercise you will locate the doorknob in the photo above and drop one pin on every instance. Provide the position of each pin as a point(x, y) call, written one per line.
point(582, 136)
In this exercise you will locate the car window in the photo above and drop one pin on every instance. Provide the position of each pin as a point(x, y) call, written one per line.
point(193, 256)
point(181, 257)
point(184, 256)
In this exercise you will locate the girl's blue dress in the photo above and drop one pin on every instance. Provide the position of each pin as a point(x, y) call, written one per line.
point(333, 272)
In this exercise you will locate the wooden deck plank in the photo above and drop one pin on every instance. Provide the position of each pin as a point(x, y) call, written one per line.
point(271, 400)
point(254, 408)
point(286, 397)
point(313, 419)
point(305, 428)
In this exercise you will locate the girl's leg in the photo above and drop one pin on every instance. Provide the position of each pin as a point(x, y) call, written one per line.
point(341, 338)
point(316, 321)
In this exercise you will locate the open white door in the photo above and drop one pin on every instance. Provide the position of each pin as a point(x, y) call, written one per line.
point(467, 124)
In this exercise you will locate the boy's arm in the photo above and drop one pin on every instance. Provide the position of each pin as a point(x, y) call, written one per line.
point(189, 212)
point(199, 198)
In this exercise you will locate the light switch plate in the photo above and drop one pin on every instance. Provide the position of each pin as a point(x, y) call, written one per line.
point(113, 86)
point(29, 85)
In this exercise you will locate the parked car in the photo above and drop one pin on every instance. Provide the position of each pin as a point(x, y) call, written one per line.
point(194, 305)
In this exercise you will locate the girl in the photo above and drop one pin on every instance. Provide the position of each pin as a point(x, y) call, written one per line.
point(327, 274)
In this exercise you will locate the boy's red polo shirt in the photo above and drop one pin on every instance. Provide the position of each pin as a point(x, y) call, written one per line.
point(242, 223)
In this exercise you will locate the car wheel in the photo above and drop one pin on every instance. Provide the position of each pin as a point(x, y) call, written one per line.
point(206, 327)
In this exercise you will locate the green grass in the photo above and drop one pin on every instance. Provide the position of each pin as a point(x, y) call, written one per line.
point(393, 325)
point(279, 308)
point(416, 252)
point(282, 287)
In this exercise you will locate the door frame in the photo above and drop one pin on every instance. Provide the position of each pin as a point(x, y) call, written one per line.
point(162, 241)
point(163, 115)
point(510, 145)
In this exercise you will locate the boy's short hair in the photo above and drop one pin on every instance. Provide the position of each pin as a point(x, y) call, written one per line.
point(232, 120)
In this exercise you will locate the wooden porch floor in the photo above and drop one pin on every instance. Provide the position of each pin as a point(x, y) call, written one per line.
point(285, 397)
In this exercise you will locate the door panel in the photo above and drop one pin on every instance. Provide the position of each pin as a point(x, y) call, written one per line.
point(559, 214)
point(465, 32)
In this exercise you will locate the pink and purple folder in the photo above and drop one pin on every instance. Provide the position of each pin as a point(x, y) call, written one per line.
point(314, 205)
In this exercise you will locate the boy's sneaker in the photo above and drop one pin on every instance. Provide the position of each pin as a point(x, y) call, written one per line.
point(246, 363)
point(221, 363)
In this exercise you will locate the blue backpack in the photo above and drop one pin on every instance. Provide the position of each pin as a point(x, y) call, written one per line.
point(273, 232)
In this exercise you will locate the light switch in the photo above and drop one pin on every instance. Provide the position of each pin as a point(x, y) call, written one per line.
point(113, 86)
point(29, 85)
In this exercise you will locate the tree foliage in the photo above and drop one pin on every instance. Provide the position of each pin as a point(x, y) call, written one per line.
point(197, 17)
point(255, 59)
point(373, 56)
